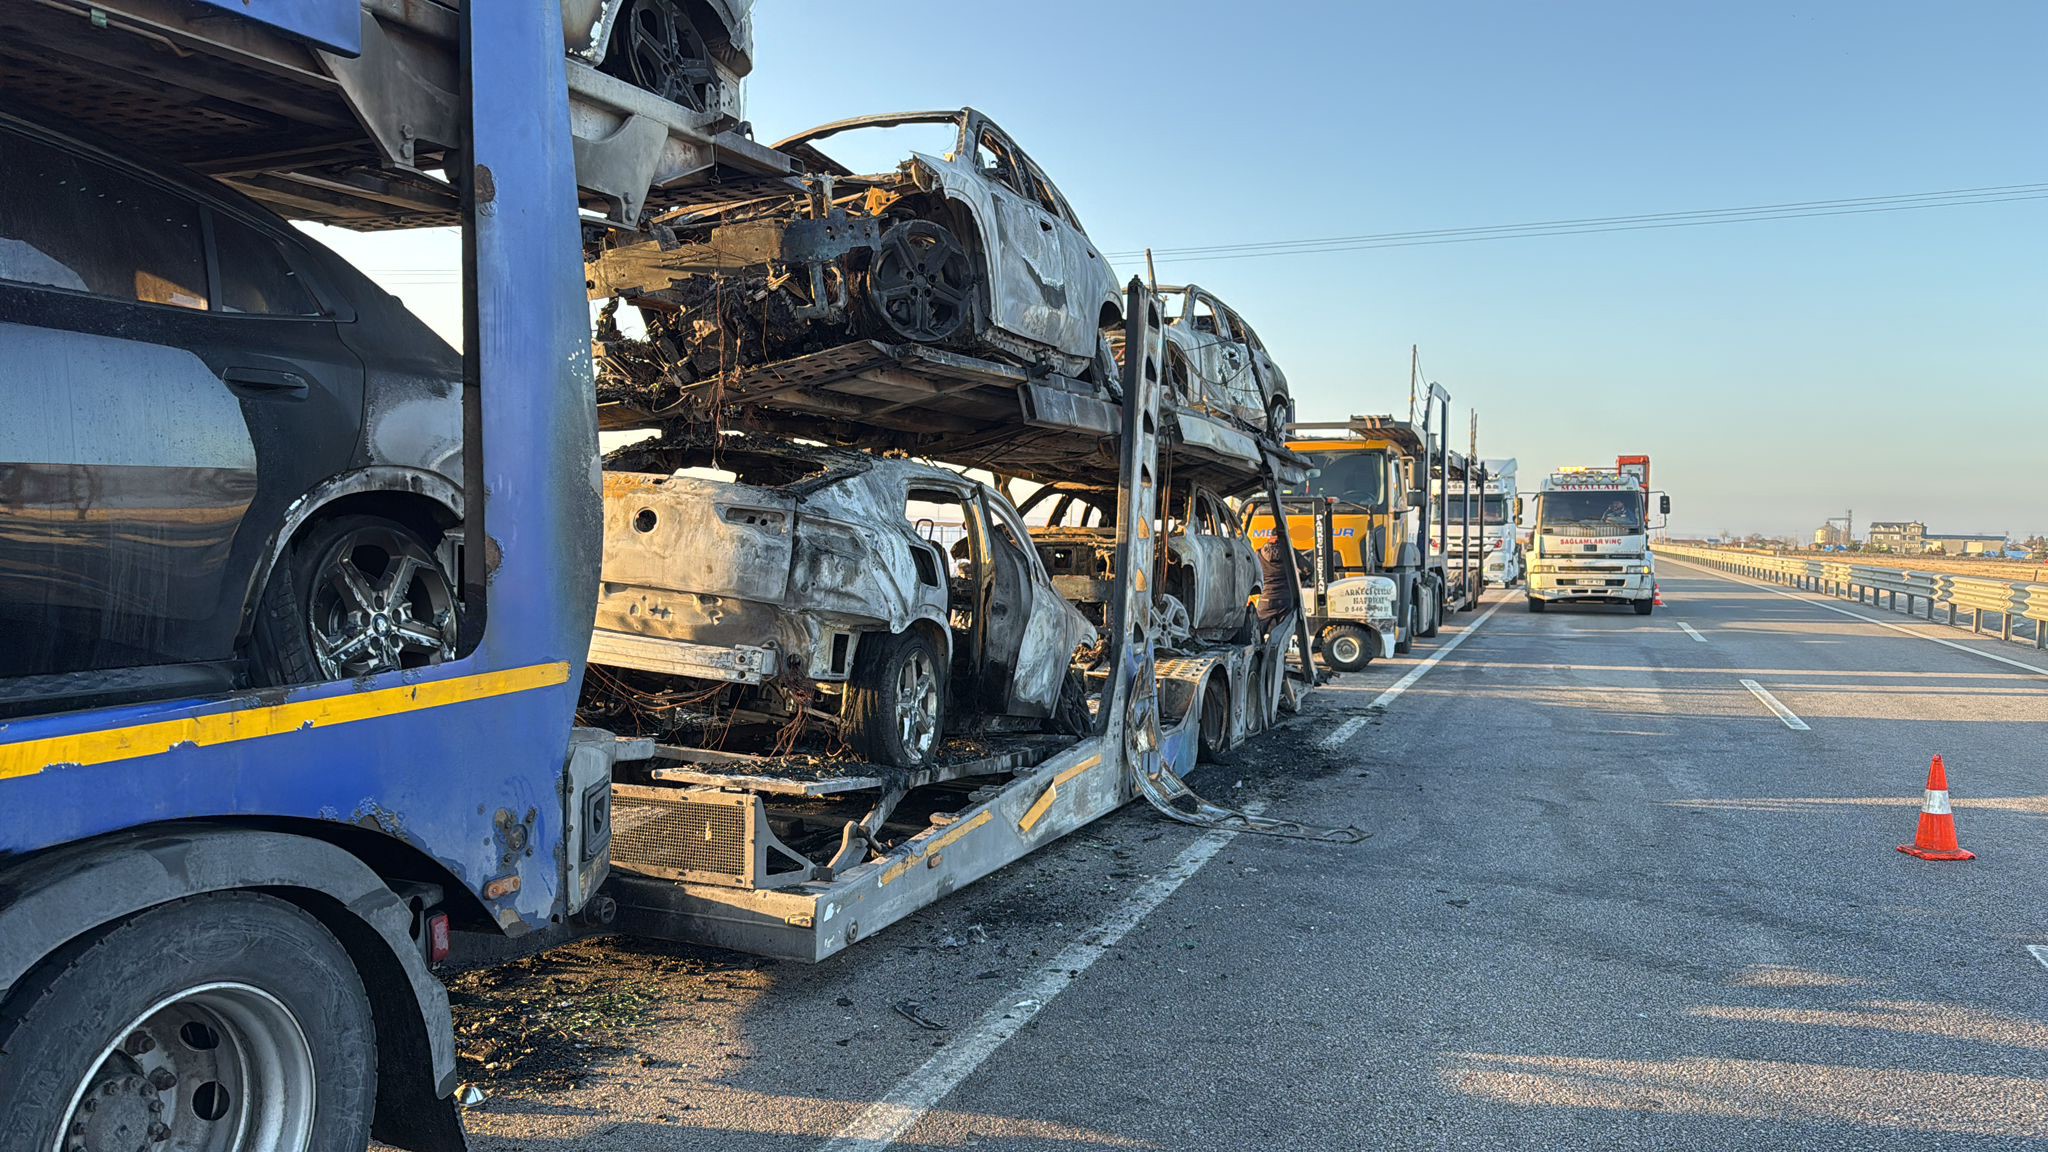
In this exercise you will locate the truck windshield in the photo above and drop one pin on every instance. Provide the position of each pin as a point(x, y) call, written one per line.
point(1356, 478)
point(1610, 513)
point(1496, 510)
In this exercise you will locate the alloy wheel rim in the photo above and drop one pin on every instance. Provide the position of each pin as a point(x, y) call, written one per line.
point(668, 56)
point(922, 281)
point(378, 605)
point(917, 704)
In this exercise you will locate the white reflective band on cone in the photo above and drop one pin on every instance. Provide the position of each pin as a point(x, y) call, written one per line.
point(1937, 803)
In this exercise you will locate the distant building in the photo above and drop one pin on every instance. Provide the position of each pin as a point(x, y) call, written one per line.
point(1831, 535)
point(1898, 536)
point(1964, 544)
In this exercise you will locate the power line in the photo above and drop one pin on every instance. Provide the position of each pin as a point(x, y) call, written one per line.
point(1588, 225)
point(1999, 189)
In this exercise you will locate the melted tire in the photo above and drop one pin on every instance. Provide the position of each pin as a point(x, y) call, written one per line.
point(1070, 713)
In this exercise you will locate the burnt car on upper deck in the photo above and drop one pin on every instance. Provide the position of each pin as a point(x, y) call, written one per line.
point(227, 456)
point(692, 53)
point(972, 249)
point(781, 586)
point(1216, 363)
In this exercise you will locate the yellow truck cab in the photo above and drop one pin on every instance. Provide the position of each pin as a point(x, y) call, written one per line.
point(1371, 482)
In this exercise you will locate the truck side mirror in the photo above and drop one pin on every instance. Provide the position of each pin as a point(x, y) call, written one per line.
point(1518, 509)
point(1664, 503)
point(1417, 498)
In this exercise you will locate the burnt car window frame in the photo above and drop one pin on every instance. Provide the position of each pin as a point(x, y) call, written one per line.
point(1016, 176)
point(1223, 329)
point(86, 154)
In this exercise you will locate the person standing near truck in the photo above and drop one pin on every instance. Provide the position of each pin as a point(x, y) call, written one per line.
point(1276, 590)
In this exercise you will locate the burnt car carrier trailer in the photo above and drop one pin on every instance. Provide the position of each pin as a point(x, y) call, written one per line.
point(220, 908)
point(801, 856)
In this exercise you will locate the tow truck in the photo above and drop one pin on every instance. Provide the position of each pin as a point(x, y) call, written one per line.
point(1380, 505)
point(1592, 538)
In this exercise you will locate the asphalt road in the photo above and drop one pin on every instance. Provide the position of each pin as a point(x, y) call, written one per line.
point(1611, 899)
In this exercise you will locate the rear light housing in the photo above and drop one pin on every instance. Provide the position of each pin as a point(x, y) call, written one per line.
point(438, 939)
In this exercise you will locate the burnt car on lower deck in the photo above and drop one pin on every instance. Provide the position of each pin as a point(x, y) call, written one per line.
point(1211, 571)
point(800, 592)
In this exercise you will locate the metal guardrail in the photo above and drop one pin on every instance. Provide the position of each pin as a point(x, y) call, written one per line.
point(1924, 592)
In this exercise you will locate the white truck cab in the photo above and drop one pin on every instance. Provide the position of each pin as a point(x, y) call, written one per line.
point(1591, 542)
point(1494, 539)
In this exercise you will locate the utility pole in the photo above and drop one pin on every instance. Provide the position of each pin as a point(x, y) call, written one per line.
point(1414, 372)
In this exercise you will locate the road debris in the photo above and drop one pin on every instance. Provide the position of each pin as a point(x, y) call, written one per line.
point(543, 1022)
point(912, 1011)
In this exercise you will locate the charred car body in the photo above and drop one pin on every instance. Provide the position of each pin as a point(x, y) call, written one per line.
point(1216, 363)
point(1212, 573)
point(817, 575)
point(368, 140)
point(973, 251)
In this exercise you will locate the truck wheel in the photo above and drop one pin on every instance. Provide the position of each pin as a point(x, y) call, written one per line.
point(1348, 647)
point(1645, 606)
point(895, 707)
point(1404, 629)
point(1432, 613)
point(1535, 605)
point(1215, 732)
point(231, 1022)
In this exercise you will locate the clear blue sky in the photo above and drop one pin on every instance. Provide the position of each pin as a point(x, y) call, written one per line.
point(1777, 372)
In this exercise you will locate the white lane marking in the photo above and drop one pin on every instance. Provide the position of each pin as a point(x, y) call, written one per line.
point(918, 1093)
point(1342, 732)
point(1402, 685)
point(1692, 632)
point(2039, 952)
point(1791, 720)
point(1903, 631)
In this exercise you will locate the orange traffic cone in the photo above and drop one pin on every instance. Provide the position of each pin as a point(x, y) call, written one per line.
point(1657, 595)
point(1937, 837)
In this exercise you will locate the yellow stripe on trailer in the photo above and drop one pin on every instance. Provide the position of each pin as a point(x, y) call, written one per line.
point(108, 745)
point(932, 850)
point(1043, 804)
